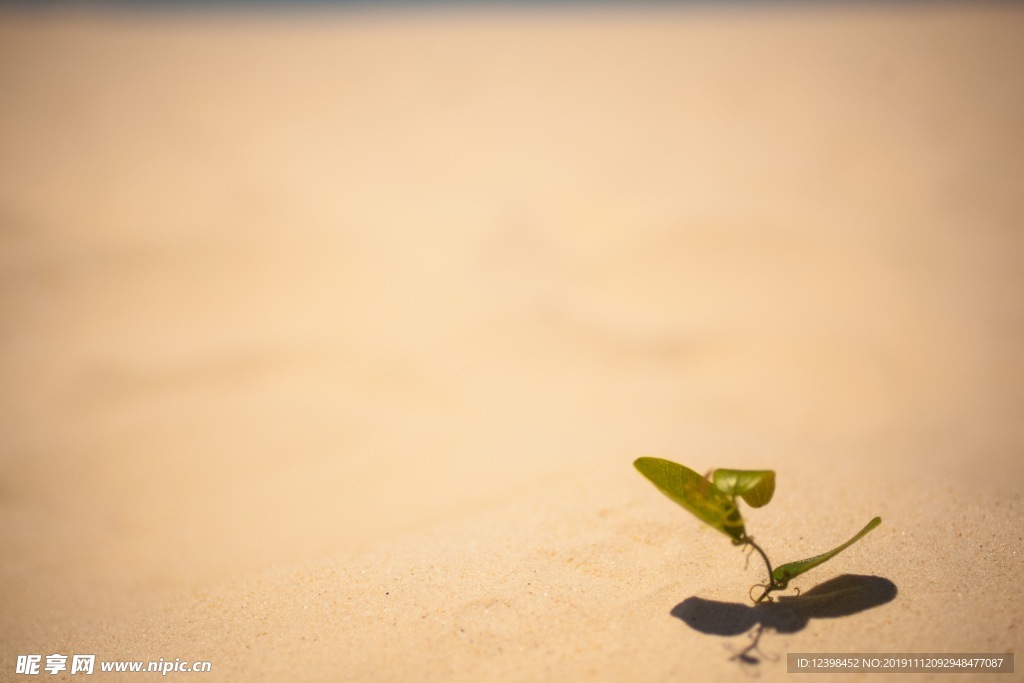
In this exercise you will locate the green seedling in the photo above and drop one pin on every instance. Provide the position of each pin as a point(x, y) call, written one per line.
point(713, 500)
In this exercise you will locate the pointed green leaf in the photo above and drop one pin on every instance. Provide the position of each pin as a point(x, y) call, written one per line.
point(755, 486)
point(782, 575)
point(695, 493)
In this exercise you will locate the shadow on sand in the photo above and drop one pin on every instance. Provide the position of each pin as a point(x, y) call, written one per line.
point(838, 597)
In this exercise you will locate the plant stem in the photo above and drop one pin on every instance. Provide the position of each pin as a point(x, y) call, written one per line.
point(771, 584)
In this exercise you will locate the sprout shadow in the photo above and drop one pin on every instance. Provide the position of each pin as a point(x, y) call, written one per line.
point(838, 597)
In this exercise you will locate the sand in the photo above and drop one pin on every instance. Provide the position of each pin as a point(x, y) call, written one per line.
point(329, 337)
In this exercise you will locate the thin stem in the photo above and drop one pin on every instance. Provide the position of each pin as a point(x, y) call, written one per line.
point(771, 584)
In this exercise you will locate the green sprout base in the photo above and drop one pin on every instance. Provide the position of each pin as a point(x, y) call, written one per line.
point(713, 500)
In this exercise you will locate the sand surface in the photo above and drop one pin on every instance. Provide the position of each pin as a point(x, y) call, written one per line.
point(328, 338)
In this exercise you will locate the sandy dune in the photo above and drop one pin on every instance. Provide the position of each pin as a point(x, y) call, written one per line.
point(328, 338)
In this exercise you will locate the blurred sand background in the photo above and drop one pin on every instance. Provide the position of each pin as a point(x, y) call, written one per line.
point(328, 337)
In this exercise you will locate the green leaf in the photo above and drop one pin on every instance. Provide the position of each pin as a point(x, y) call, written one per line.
point(755, 486)
point(695, 493)
point(784, 574)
